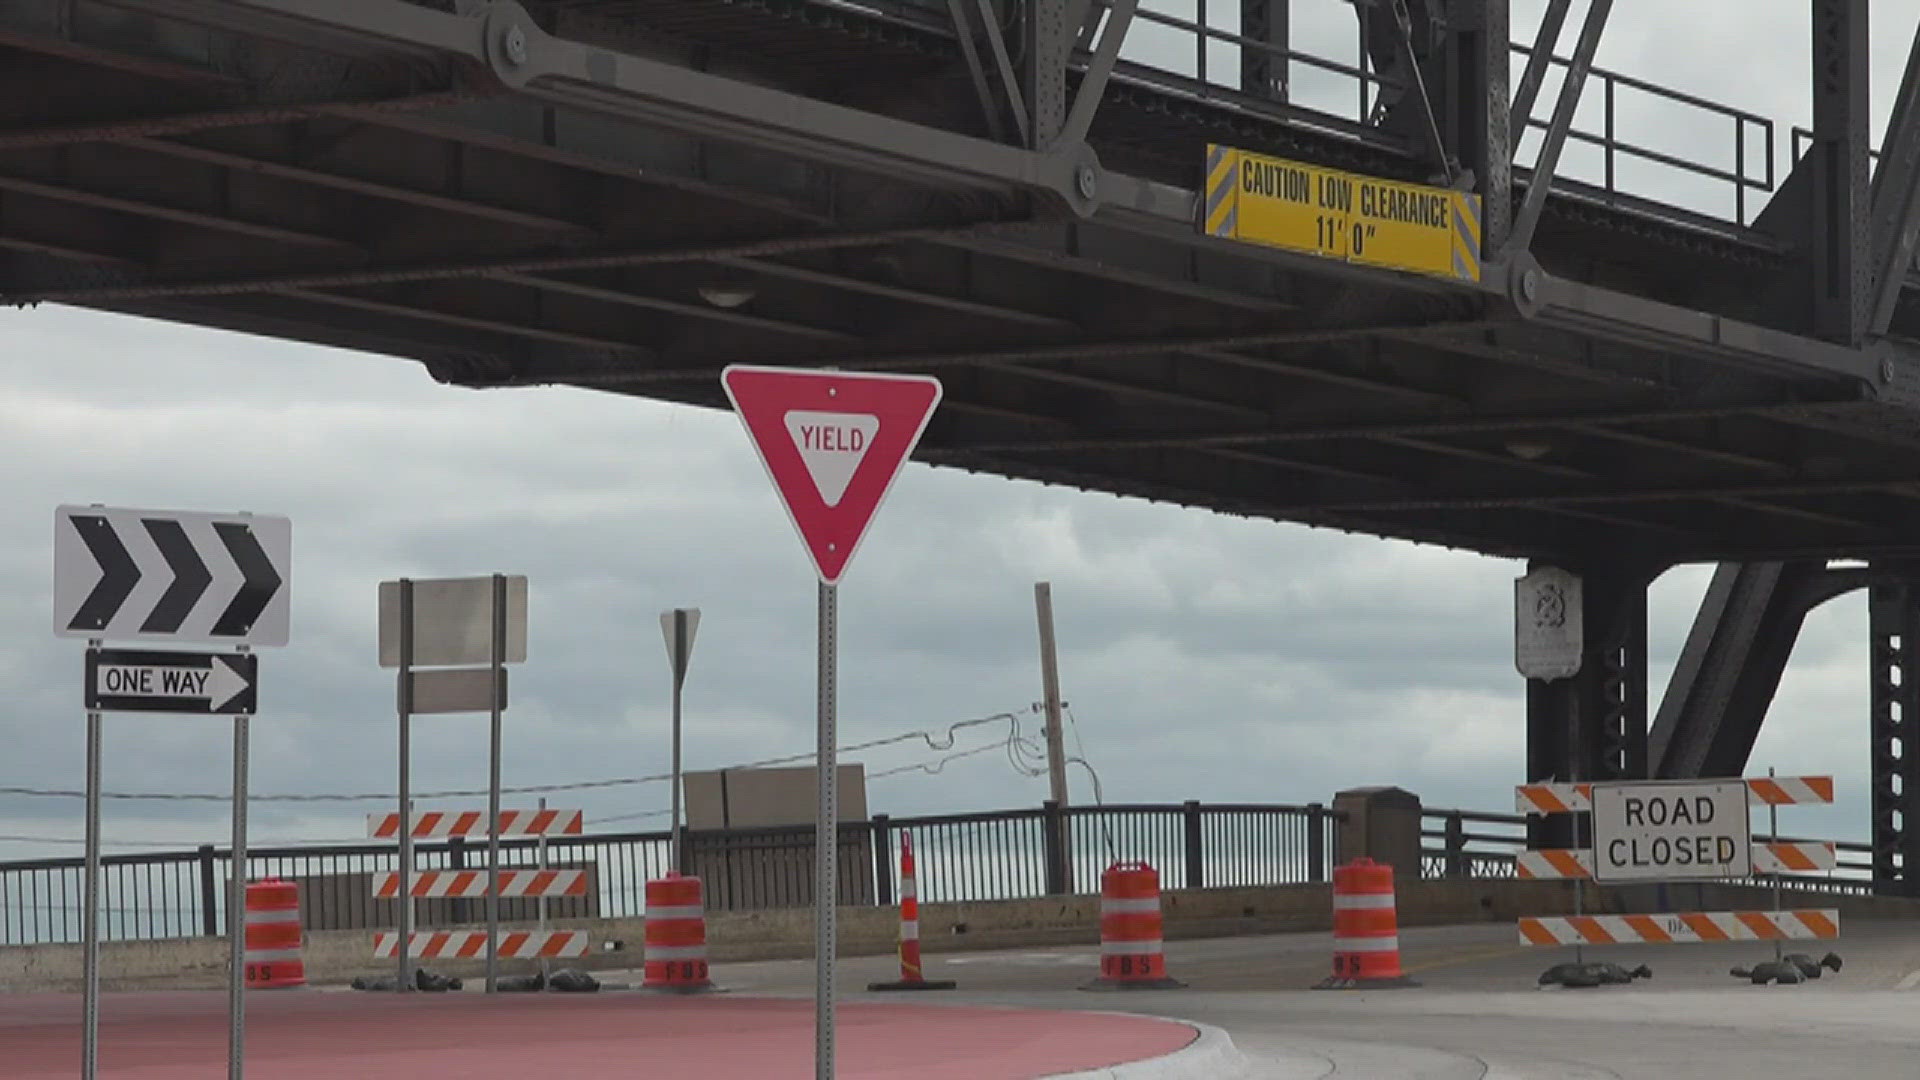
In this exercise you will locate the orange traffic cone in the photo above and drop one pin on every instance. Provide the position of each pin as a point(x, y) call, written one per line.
point(910, 977)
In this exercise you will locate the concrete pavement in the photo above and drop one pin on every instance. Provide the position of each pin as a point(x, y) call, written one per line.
point(1479, 1013)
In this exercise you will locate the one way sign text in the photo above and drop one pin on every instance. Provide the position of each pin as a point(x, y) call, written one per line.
point(124, 680)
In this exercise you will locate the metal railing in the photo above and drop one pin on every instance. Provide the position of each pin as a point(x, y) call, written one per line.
point(1745, 126)
point(1207, 68)
point(996, 855)
point(1468, 844)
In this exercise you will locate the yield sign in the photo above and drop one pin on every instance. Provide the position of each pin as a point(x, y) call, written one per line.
point(832, 441)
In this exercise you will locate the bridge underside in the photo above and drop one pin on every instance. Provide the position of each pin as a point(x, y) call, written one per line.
point(627, 195)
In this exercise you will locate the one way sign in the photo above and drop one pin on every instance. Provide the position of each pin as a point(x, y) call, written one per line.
point(171, 576)
point(128, 680)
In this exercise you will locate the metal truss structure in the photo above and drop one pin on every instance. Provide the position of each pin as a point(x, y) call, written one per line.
point(630, 194)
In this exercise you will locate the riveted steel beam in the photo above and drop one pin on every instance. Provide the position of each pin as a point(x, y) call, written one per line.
point(1634, 319)
point(1894, 217)
point(504, 40)
point(1264, 64)
point(1539, 58)
point(1839, 246)
point(1541, 180)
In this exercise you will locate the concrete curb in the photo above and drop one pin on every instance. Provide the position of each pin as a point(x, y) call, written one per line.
point(1211, 1056)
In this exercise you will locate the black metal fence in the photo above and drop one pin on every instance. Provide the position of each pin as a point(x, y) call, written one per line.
point(1008, 854)
point(1467, 844)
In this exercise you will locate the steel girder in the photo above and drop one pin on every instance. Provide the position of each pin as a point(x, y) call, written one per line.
point(1541, 180)
point(1593, 725)
point(1893, 613)
point(1183, 405)
point(1730, 667)
point(1841, 242)
point(1894, 217)
point(1264, 73)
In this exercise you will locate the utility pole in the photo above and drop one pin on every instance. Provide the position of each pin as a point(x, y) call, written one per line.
point(1050, 688)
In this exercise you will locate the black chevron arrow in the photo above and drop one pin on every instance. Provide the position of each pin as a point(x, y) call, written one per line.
point(190, 576)
point(118, 573)
point(260, 584)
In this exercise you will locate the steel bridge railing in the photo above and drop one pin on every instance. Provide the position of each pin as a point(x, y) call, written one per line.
point(1197, 49)
point(994, 855)
point(1467, 844)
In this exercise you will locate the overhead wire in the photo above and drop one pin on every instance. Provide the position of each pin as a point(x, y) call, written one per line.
point(933, 742)
point(1016, 743)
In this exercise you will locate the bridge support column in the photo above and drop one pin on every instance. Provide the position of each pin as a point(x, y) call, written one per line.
point(1893, 618)
point(1264, 74)
point(1593, 725)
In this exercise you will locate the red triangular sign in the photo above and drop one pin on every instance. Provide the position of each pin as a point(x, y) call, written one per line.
point(832, 441)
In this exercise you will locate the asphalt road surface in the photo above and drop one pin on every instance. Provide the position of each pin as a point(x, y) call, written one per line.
point(1478, 1011)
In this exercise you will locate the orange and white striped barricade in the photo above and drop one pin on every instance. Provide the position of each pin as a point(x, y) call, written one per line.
point(519, 883)
point(1821, 924)
point(273, 936)
point(472, 944)
point(1773, 857)
point(466, 884)
point(1132, 952)
point(1366, 929)
point(910, 975)
point(1777, 857)
point(445, 824)
point(676, 936)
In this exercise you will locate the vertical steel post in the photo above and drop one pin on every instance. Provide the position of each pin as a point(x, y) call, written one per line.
point(1773, 836)
point(675, 853)
point(826, 830)
point(1842, 253)
point(404, 702)
point(497, 650)
point(540, 845)
point(1050, 691)
point(237, 910)
point(1264, 61)
point(90, 922)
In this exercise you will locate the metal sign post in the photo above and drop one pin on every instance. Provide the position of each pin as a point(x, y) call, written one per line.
point(678, 626)
point(405, 698)
point(451, 624)
point(497, 653)
point(826, 832)
point(168, 577)
point(90, 1039)
point(832, 443)
point(237, 907)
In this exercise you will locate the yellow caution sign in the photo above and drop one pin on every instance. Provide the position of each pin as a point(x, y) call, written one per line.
point(1342, 215)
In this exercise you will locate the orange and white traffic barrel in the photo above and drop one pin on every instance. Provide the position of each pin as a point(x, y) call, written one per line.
point(676, 936)
point(1132, 955)
point(1366, 929)
point(910, 976)
point(273, 957)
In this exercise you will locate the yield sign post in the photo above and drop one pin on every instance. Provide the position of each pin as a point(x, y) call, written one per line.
point(832, 442)
point(678, 625)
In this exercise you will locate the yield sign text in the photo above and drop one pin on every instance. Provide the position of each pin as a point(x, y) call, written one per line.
point(832, 441)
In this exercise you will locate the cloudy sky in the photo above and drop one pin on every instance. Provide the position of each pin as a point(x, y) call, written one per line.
point(1203, 656)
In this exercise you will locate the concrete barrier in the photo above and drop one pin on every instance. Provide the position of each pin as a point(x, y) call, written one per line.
point(337, 956)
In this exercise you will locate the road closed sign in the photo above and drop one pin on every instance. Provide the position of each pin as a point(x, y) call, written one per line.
point(1670, 832)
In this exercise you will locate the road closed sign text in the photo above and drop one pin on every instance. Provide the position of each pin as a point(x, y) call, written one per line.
point(1670, 832)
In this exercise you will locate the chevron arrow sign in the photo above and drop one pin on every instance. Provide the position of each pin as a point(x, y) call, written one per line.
point(171, 576)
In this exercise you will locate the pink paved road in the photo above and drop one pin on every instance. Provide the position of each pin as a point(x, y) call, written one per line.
point(304, 1035)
